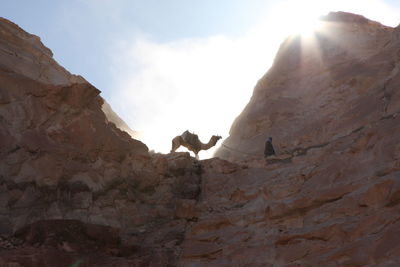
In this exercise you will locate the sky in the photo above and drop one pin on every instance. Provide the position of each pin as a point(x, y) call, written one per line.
point(166, 66)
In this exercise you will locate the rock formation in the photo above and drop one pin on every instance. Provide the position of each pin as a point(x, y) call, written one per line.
point(321, 89)
point(114, 118)
point(63, 163)
point(77, 190)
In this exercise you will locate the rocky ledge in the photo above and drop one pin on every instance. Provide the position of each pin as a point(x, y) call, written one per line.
point(78, 191)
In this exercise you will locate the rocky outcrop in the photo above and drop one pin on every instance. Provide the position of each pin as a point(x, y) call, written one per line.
point(134, 219)
point(330, 197)
point(320, 89)
point(336, 205)
point(114, 118)
point(24, 53)
point(62, 162)
point(77, 191)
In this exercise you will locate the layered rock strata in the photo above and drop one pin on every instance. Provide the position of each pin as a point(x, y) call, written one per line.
point(62, 160)
point(77, 190)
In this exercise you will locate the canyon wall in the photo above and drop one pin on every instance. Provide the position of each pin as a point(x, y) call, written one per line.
point(70, 180)
point(75, 189)
point(320, 88)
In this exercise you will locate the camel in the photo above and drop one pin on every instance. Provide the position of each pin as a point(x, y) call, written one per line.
point(192, 142)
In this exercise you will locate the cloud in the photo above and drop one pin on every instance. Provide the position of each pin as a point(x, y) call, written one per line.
point(163, 89)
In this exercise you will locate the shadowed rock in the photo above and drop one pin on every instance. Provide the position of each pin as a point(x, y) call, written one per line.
point(75, 189)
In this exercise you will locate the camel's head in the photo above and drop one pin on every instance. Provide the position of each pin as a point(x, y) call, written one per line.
point(216, 137)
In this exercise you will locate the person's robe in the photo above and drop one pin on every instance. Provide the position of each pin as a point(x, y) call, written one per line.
point(269, 149)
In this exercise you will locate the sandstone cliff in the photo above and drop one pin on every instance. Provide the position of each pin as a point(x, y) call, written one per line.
point(72, 185)
point(76, 189)
point(321, 89)
point(24, 53)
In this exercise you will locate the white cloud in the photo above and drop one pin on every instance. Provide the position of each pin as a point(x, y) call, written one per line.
point(195, 84)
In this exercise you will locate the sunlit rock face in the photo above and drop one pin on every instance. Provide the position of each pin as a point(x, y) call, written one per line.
point(320, 89)
point(114, 118)
point(331, 196)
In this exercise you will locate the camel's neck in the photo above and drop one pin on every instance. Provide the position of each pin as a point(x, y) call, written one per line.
point(210, 144)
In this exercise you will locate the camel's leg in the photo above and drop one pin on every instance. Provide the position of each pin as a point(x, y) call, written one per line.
point(175, 144)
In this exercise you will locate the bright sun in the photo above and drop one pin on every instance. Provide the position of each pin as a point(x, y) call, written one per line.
point(307, 27)
point(297, 20)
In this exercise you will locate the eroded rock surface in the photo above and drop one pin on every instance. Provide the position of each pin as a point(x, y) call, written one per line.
point(61, 159)
point(24, 53)
point(330, 197)
point(321, 89)
point(335, 206)
point(74, 189)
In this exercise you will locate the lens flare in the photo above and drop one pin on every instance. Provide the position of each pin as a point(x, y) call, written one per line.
point(307, 27)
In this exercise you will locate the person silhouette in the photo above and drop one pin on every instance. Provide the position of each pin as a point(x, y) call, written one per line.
point(269, 149)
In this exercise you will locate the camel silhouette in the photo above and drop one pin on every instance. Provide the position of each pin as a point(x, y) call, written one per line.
point(191, 142)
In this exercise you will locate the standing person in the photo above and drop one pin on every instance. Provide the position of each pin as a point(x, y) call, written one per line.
point(269, 149)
